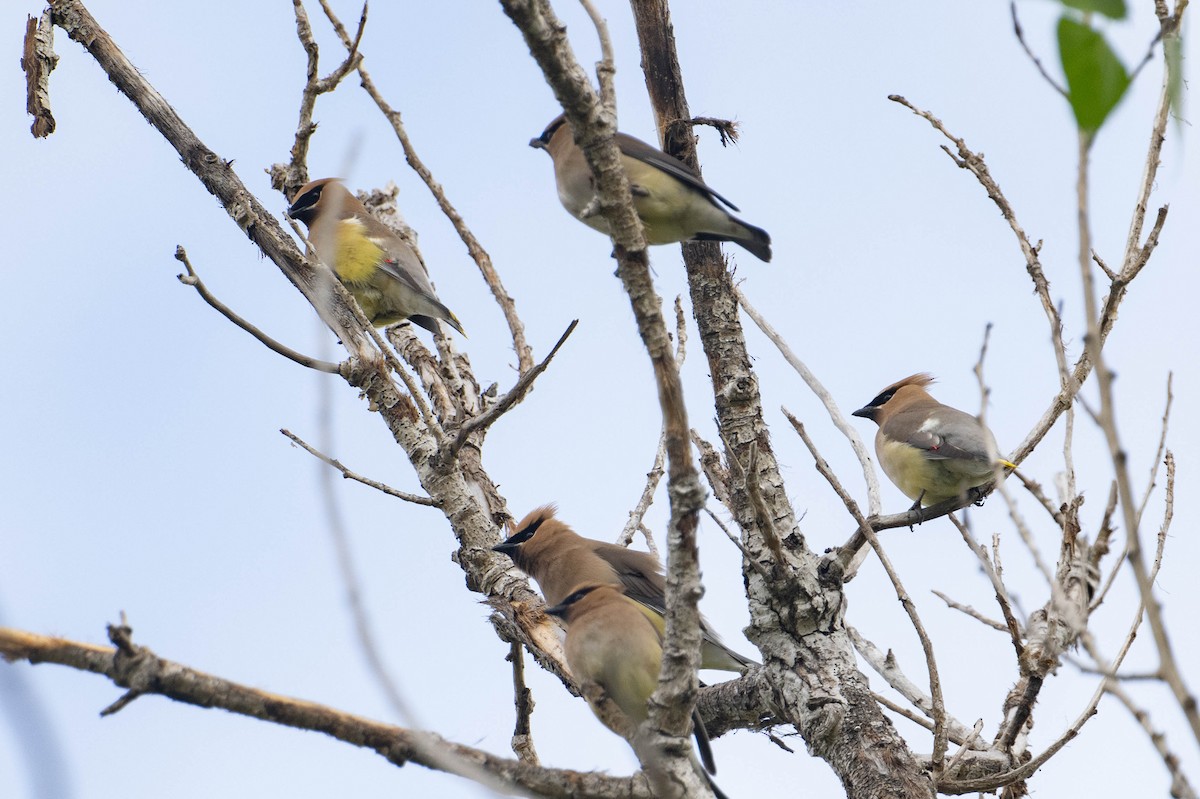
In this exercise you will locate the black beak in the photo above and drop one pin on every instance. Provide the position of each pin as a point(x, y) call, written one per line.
point(866, 413)
point(558, 610)
point(537, 143)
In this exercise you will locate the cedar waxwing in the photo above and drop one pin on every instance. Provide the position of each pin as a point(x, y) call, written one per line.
point(561, 560)
point(931, 451)
point(673, 201)
point(616, 643)
point(377, 266)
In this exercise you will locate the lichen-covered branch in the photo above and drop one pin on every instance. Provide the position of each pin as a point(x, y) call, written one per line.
point(142, 672)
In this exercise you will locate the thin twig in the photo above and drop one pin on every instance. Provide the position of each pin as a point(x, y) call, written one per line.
point(522, 740)
point(416, 499)
point(1026, 534)
point(1180, 788)
point(714, 470)
point(1038, 493)
point(660, 454)
point(737, 542)
point(1069, 383)
point(606, 67)
point(972, 612)
point(514, 395)
point(965, 747)
point(885, 666)
point(1101, 547)
point(1025, 46)
point(193, 280)
point(874, 503)
point(643, 504)
point(1001, 592)
point(290, 178)
point(1162, 446)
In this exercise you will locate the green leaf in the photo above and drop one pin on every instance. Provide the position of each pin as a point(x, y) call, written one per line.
point(1113, 9)
point(1096, 79)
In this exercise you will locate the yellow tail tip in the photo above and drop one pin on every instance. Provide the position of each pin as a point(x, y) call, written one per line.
point(1007, 464)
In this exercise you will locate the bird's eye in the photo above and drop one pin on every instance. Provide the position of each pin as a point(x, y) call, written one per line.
point(578, 595)
point(882, 399)
point(521, 536)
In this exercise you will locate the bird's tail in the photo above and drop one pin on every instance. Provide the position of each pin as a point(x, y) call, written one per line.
point(430, 322)
point(714, 654)
point(754, 239)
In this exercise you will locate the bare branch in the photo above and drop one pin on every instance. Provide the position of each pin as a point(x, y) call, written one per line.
point(1002, 599)
point(1162, 446)
point(606, 67)
point(522, 740)
point(1026, 533)
point(714, 471)
point(416, 499)
point(737, 542)
point(517, 393)
point(874, 503)
point(885, 666)
point(1012, 6)
point(143, 672)
point(749, 479)
point(972, 612)
point(193, 280)
point(1180, 787)
point(1100, 548)
point(290, 178)
point(643, 504)
point(660, 454)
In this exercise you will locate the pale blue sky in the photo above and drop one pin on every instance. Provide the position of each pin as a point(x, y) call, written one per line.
point(143, 470)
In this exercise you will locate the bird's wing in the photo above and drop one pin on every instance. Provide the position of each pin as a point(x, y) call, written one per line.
point(957, 436)
point(640, 574)
point(400, 262)
point(638, 149)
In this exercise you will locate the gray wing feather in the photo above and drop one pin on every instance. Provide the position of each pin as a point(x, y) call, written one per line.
point(638, 149)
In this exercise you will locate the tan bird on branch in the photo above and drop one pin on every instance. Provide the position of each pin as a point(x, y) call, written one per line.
point(674, 202)
point(932, 452)
point(616, 643)
point(378, 267)
point(561, 560)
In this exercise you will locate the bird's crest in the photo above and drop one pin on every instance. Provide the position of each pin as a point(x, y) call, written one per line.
point(920, 380)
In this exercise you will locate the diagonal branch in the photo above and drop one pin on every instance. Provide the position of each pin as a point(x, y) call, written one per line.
point(415, 499)
point(515, 394)
point(192, 279)
point(143, 672)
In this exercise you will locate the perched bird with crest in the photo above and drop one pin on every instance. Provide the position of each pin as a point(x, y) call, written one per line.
point(378, 267)
point(561, 560)
point(932, 452)
point(673, 201)
point(616, 643)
